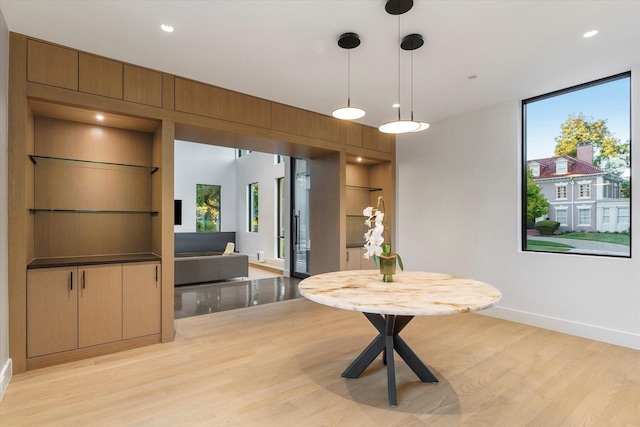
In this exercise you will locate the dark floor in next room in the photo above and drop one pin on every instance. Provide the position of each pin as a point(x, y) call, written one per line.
point(194, 300)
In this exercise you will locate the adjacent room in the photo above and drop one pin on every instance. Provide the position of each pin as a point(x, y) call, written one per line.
point(312, 212)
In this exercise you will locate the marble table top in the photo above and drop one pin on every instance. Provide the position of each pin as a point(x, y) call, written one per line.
point(411, 293)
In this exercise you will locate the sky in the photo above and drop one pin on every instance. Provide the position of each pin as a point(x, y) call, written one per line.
point(610, 101)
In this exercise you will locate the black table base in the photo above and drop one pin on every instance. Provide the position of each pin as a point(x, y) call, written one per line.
point(386, 342)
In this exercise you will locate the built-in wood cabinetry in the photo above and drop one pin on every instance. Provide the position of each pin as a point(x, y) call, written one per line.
point(70, 308)
point(74, 208)
point(141, 293)
point(366, 183)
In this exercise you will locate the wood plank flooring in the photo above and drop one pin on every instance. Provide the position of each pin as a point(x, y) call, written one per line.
point(280, 364)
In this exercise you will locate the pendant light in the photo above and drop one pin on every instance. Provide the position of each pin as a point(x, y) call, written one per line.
point(411, 43)
point(399, 126)
point(348, 41)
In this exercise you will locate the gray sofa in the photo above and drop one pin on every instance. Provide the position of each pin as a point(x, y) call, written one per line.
point(199, 258)
point(208, 268)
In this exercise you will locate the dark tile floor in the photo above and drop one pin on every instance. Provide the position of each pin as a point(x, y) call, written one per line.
point(213, 297)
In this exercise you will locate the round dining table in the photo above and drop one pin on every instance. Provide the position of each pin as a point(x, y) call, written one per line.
point(391, 306)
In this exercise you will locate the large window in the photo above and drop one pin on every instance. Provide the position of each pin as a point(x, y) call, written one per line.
point(253, 207)
point(577, 160)
point(207, 207)
point(280, 217)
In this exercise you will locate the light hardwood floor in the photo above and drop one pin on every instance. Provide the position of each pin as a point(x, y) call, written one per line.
point(280, 365)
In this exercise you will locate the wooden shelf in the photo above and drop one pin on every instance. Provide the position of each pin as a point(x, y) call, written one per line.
point(92, 211)
point(356, 187)
point(92, 164)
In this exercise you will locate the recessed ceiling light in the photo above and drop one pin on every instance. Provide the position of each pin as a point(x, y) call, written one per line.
point(396, 105)
point(99, 117)
point(590, 34)
point(167, 28)
point(359, 159)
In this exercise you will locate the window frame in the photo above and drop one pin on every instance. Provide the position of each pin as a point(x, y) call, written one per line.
point(525, 165)
point(253, 207)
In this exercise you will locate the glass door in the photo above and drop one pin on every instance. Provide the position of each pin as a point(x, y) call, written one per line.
point(300, 233)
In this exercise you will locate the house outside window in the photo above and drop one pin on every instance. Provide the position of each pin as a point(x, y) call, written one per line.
point(580, 135)
point(584, 190)
point(623, 215)
point(584, 216)
point(561, 215)
point(253, 193)
point(535, 169)
point(561, 191)
point(561, 166)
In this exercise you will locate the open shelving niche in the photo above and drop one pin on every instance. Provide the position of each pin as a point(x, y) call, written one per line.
point(94, 165)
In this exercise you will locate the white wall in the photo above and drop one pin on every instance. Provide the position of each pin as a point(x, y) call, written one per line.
point(459, 213)
point(260, 168)
point(204, 164)
point(5, 362)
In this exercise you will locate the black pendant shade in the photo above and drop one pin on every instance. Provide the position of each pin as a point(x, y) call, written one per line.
point(349, 41)
point(412, 42)
point(398, 7)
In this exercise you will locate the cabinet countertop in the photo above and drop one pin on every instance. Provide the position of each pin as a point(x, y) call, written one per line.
point(87, 260)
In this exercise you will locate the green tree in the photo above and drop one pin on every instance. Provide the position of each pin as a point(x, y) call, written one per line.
point(579, 129)
point(537, 205)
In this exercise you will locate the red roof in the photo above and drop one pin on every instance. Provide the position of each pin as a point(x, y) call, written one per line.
point(574, 167)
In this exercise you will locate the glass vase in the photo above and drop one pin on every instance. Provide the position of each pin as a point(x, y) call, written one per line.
point(387, 267)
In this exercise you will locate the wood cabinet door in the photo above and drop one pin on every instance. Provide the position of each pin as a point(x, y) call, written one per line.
point(141, 288)
point(52, 317)
point(99, 304)
point(353, 258)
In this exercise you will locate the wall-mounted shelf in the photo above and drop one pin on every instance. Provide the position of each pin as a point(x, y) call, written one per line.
point(91, 163)
point(92, 211)
point(356, 187)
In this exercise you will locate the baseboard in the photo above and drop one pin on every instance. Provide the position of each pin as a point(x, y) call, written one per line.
point(610, 336)
point(5, 377)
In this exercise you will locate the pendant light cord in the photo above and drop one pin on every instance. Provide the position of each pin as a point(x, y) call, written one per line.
point(412, 85)
point(398, 67)
point(348, 78)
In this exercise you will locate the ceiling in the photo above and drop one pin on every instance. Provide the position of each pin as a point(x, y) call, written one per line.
point(287, 51)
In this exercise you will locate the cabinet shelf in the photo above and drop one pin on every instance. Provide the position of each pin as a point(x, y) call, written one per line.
point(93, 164)
point(357, 187)
point(92, 211)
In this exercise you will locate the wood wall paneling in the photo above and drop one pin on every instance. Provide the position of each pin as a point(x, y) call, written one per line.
point(100, 76)
point(353, 133)
point(20, 194)
point(327, 213)
point(61, 234)
point(301, 122)
point(386, 142)
point(211, 101)
point(370, 138)
point(63, 138)
point(162, 231)
point(142, 86)
point(52, 65)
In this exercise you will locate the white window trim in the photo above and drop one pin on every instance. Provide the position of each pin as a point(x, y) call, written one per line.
point(565, 209)
point(566, 186)
point(535, 169)
point(585, 182)
point(564, 163)
point(584, 207)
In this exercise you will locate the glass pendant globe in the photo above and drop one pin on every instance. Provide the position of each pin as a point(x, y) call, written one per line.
point(348, 113)
point(399, 126)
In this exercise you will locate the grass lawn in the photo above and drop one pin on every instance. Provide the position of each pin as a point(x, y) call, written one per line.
point(539, 245)
point(619, 239)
